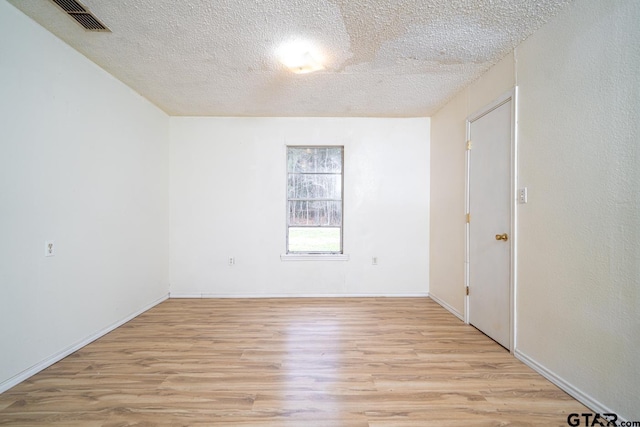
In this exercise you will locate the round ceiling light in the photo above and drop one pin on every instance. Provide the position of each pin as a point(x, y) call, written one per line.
point(300, 56)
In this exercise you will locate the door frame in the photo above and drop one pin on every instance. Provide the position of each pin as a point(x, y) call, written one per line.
point(510, 95)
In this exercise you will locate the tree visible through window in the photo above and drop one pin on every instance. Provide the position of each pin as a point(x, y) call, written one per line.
point(314, 200)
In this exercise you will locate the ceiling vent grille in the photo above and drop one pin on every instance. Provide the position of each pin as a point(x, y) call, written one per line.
point(81, 15)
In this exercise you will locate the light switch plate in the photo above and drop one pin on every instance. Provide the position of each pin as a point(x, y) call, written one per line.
point(522, 195)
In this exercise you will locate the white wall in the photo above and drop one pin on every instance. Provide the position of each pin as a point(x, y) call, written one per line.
point(83, 162)
point(228, 199)
point(579, 275)
point(578, 278)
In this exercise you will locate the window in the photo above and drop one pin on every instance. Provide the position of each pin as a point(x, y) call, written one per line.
point(314, 200)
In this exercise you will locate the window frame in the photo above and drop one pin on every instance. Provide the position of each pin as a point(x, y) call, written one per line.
point(334, 255)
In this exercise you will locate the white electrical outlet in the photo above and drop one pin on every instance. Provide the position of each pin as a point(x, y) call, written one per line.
point(49, 248)
point(232, 260)
point(522, 195)
point(374, 260)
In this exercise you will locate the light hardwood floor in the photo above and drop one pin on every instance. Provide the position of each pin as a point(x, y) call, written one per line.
point(290, 362)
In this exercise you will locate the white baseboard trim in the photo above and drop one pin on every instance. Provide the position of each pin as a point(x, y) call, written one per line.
point(571, 390)
point(447, 307)
point(209, 295)
point(186, 295)
point(17, 379)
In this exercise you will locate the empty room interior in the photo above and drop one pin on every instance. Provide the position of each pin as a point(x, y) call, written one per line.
point(299, 213)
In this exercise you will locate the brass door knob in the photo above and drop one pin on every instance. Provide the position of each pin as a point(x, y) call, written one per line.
point(502, 237)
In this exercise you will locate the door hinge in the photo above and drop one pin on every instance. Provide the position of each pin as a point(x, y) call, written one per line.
point(468, 218)
point(467, 290)
point(469, 145)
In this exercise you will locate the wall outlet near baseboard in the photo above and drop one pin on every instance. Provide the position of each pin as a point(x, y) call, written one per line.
point(374, 260)
point(49, 248)
point(232, 261)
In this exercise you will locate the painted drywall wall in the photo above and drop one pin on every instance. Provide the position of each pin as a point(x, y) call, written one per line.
point(448, 147)
point(228, 187)
point(578, 276)
point(579, 235)
point(84, 162)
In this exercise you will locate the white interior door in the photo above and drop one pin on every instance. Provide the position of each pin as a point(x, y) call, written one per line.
point(489, 232)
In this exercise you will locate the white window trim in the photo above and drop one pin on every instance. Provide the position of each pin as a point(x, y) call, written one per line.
point(314, 257)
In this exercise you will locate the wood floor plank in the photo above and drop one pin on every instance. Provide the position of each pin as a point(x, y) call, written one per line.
point(351, 362)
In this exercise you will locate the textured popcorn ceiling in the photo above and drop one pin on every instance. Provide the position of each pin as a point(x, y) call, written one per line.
point(217, 57)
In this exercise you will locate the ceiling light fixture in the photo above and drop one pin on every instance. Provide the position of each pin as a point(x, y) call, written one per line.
point(300, 56)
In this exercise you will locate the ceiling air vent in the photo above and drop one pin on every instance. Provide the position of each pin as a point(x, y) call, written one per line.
point(81, 15)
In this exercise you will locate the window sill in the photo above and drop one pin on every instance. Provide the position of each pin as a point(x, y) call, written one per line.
point(314, 257)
